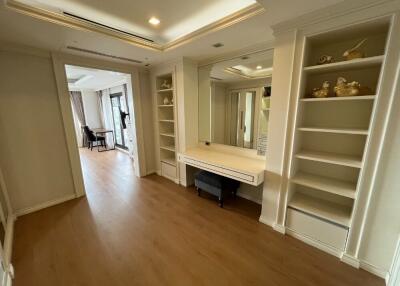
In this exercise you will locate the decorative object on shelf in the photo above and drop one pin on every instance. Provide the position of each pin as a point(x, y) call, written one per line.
point(166, 100)
point(343, 88)
point(166, 85)
point(325, 59)
point(355, 52)
point(172, 101)
point(322, 91)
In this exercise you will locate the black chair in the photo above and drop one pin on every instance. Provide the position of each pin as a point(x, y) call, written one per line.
point(91, 138)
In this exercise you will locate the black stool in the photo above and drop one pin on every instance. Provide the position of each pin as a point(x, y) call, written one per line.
point(215, 184)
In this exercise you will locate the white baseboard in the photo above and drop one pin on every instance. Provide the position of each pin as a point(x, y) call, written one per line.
point(44, 205)
point(315, 243)
point(350, 260)
point(247, 197)
point(279, 228)
point(264, 221)
point(149, 172)
point(374, 270)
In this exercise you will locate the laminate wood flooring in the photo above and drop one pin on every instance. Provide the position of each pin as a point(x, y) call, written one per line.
point(150, 231)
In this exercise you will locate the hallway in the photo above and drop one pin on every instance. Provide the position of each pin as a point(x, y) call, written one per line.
point(150, 231)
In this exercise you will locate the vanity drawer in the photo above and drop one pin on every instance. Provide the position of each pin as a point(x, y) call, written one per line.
point(168, 171)
point(322, 231)
point(221, 170)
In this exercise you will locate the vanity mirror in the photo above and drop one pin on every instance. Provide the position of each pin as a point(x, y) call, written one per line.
point(234, 100)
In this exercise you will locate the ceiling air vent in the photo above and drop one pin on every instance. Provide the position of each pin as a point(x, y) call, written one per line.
point(105, 26)
point(103, 54)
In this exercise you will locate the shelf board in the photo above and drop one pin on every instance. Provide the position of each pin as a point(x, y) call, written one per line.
point(265, 109)
point(170, 161)
point(352, 64)
point(165, 90)
point(353, 131)
point(166, 105)
point(168, 134)
point(333, 186)
point(331, 158)
point(168, 148)
point(167, 120)
point(324, 209)
point(339, 98)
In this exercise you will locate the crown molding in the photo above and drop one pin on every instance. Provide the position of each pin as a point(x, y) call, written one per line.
point(334, 11)
point(70, 22)
point(237, 17)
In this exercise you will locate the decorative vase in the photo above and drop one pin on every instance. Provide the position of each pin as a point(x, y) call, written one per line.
point(325, 59)
point(343, 88)
point(355, 52)
point(321, 91)
point(166, 85)
point(166, 101)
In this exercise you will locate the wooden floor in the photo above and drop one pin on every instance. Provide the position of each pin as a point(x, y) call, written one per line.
point(149, 231)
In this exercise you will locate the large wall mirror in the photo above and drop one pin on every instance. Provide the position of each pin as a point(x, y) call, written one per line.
point(234, 100)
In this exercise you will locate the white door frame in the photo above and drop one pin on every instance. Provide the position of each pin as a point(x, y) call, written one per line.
point(59, 62)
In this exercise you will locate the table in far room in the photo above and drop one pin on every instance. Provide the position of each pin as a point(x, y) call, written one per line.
point(100, 131)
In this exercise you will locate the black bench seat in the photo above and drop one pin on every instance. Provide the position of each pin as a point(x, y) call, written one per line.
point(216, 185)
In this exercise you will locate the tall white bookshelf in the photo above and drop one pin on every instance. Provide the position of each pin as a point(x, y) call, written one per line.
point(166, 117)
point(332, 135)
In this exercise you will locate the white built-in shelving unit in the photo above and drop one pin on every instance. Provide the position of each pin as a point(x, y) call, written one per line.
point(331, 135)
point(166, 117)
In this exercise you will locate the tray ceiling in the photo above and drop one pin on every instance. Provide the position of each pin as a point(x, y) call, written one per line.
point(179, 18)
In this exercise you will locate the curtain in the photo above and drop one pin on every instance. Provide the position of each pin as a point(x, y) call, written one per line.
point(101, 109)
point(77, 103)
point(78, 129)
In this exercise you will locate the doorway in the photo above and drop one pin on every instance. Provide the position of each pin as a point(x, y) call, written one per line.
point(102, 109)
point(241, 117)
point(119, 108)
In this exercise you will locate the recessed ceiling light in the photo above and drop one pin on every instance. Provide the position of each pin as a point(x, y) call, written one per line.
point(218, 45)
point(259, 67)
point(154, 21)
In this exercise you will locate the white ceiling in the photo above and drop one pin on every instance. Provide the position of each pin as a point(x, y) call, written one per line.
point(178, 17)
point(18, 28)
point(86, 78)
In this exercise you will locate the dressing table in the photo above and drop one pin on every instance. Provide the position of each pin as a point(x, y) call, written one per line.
point(224, 162)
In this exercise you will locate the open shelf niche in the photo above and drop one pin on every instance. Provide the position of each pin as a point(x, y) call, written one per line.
point(166, 115)
point(331, 133)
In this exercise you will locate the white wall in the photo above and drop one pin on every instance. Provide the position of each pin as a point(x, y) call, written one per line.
point(148, 121)
point(188, 112)
point(92, 109)
point(33, 151)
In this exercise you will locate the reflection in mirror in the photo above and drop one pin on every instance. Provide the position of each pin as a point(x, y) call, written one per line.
point(234, 101)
